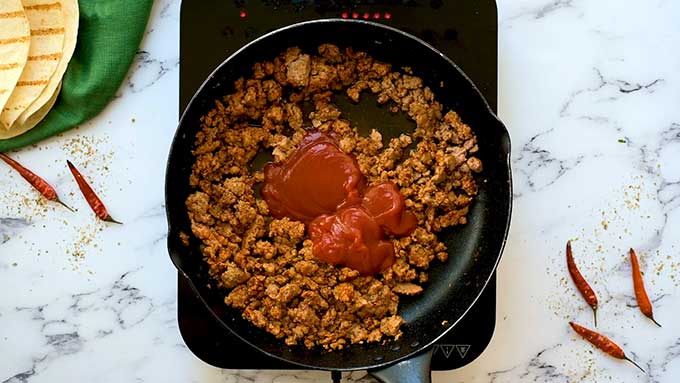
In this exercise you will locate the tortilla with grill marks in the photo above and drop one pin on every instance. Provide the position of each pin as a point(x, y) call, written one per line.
point(46, 20)
point(71, 15)
point(14, 46)
point(23, 127)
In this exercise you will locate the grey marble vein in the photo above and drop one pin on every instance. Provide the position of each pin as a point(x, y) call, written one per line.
point(147, 70)
point(602, 91)
point(540, 11)
point(552, 7)
point(538, 370)
point(531, 159)
point(9, 227)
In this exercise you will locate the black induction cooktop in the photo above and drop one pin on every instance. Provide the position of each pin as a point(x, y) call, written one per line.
point(211, 30)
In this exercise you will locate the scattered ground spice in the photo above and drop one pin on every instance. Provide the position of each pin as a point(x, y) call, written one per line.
point(78, 237)
point(83, 244)
point(88, 152)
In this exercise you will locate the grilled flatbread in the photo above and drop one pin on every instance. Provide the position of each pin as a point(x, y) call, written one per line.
point(71, 14)
point(47, 40)
point(15, 37)
point(21, 128)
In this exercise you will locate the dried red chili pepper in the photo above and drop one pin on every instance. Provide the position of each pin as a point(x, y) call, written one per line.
point(45, 189)
point(581, 283)
point(95, 203)
point(639, 286)
point(603, 343)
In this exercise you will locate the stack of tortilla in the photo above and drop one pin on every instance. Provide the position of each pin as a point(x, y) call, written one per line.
point(37, 40)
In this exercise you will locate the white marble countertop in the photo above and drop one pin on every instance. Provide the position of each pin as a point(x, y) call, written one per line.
point(590, 91)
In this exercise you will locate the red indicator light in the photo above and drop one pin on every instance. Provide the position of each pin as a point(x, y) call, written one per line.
point(388, 15)
point(376, 15)
point(344, 15)
point(243, 14)
point(355, 15)
point(366, 16)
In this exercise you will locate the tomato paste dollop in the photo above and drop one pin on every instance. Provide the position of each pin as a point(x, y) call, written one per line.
point(348, 221)
point(318, 178)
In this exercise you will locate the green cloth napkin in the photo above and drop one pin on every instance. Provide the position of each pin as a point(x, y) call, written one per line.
point(108, 38)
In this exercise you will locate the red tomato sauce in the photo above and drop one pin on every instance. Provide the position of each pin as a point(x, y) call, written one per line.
point(348, 221)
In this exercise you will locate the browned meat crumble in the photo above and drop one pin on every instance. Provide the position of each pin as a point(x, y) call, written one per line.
point(266, 265)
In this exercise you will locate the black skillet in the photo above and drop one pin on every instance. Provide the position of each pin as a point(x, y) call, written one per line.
point(474, 249)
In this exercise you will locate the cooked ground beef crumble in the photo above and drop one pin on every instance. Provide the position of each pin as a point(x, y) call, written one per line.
point(266, 265)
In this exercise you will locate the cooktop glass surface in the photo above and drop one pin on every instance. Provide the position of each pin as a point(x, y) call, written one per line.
point(211, 30)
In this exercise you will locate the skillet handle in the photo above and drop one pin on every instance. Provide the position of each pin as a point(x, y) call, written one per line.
point(413, 370)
